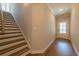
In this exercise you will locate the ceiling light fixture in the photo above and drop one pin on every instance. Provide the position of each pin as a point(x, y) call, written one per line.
point(60, 9)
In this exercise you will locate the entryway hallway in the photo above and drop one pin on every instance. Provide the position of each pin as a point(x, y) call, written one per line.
point(39, 29)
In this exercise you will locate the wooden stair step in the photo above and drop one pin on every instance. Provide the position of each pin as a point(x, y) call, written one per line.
point(0, 28)
point(7, 20)
point(12, 41)
point(11, 48)
point(12, 44)
point(18, 53)
point(9, 32)
point(12, 29)
point(25, 53)
point(10, 23)
point(10, 35)
point(7, 23)
point(15, 50)
point(9, 26)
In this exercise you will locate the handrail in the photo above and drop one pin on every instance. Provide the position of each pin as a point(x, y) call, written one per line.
point(2, 19)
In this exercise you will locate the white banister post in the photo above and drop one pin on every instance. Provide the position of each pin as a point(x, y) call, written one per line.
point(2, 19)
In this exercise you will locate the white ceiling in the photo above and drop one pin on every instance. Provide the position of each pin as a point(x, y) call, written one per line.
point(57, 6)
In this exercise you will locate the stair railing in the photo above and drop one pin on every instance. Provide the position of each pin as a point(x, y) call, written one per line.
point(2, 20)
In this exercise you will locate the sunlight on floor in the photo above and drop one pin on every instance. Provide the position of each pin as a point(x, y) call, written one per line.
point(62, 46)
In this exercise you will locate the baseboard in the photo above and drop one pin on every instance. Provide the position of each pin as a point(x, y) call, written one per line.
point(75, 48)
point(42, 51)
point(36, 52)
point(49, 45)
point(62, 38)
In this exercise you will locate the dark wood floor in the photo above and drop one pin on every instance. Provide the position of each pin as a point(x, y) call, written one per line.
point(60, 47)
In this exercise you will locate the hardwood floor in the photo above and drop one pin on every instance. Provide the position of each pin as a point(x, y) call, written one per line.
point(60, 47)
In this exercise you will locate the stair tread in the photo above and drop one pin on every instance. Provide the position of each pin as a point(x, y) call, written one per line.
point(18, 53)
point(12, 44)
point(11, 31)
point(9, 25)
point(26, 53)
point(10, 35)
point(11, 28)
point(12, 48)
point(10, 39)
point(15, 50)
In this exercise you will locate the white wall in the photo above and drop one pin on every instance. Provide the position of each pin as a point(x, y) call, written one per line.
point(43, 26)
point(0, 6)
point(37, 23)
point(75, 27)
point(22, 15)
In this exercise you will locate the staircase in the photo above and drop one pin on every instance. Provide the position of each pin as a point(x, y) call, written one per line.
point(12, 42)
